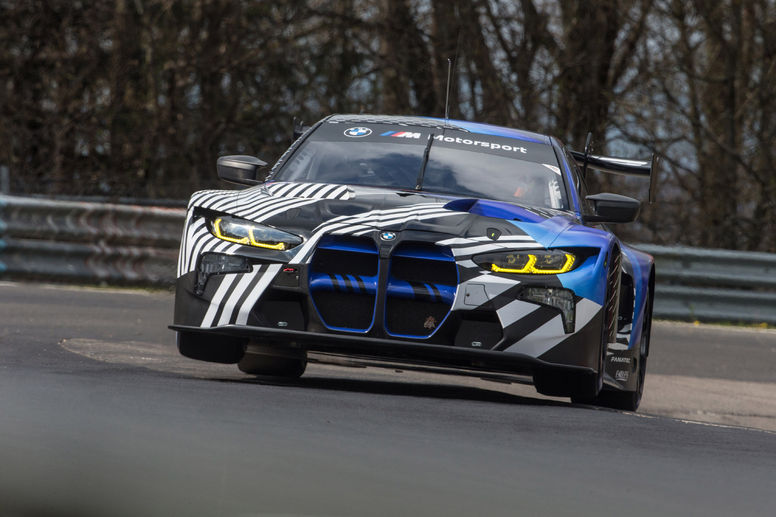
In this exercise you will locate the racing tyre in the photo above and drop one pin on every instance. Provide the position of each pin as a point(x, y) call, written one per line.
point(630, 400)
point(208, 348)
point(588, 392)
point(269, 361)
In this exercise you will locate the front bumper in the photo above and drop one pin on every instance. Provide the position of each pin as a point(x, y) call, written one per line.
point(391, 349)
point(497, 329)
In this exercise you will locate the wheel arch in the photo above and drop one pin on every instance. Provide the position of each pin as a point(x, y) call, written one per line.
point(640, 267)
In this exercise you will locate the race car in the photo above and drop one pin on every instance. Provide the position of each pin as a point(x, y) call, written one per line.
point(422, 241)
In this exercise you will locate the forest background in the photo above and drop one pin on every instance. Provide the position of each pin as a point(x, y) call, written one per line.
point(133, 98)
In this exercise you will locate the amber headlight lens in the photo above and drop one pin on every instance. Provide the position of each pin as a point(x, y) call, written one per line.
point(242, 231)
point(551, 262)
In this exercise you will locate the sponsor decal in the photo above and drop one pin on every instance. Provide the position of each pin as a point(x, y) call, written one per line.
point(621, 375)
point(387, 236)
point(616, 359)
point(356, 132)
point(477, 344)
point(430, 323)
point(479, 143)
point(402, 134)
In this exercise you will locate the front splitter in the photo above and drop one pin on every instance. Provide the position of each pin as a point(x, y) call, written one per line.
point(378, 348)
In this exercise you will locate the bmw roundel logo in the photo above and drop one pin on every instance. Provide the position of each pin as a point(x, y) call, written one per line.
point(358, 132)
point(387, 236)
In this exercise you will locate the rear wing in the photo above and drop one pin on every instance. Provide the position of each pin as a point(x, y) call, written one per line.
point(641, 168)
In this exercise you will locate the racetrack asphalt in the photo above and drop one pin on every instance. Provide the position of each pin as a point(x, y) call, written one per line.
point(100, 416)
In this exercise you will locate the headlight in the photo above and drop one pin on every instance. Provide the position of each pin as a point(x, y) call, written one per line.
point(551, 262)
point(242, 231)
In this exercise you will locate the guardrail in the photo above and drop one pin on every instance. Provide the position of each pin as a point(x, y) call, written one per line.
point(714, 285)
point(89, 242)
point(92, 242)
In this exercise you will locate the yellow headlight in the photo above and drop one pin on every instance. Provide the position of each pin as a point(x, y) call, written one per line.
point(534, 263)
point(241, 231)
point(231, 232)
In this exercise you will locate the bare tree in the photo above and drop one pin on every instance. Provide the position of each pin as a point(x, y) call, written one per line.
point(126, 98)
point(712, 95)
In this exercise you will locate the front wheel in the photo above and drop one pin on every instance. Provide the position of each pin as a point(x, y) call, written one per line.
point(630, 400)
point(588, 392)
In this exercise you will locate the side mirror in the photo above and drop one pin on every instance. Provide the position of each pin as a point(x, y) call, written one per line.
point(239, 169)
point(613, 208)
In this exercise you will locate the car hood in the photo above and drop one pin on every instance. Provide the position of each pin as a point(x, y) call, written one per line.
point(316, 208)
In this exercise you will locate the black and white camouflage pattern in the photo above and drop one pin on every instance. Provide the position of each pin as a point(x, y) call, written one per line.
point(236, 294)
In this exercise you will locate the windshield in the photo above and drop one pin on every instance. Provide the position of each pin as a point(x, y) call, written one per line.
point(459, 163)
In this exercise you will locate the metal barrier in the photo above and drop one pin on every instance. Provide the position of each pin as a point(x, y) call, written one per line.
point(714, 285)
point(92, 242)
point(88, 242)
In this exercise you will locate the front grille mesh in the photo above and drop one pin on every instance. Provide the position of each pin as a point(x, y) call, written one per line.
point(418, 293)
point(343, 283)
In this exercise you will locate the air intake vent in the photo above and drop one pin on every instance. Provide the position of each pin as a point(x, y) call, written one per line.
point(420, 291)
point(343, 283)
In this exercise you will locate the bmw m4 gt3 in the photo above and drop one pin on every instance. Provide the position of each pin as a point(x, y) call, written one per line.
point(422, 241)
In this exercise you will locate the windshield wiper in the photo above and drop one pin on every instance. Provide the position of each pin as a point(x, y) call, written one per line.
point(419, 182)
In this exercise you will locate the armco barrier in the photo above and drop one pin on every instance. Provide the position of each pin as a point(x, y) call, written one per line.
point(130, 244)
point(714, 285)
point(88, 242)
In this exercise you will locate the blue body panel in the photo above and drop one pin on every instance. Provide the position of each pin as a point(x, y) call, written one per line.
point(502, 210)
point(642, 268)
point(561, 231)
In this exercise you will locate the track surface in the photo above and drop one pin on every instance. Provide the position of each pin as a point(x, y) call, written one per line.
point(99, 416)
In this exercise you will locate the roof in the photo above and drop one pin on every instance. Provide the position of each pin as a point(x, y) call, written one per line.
point(438, 123)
